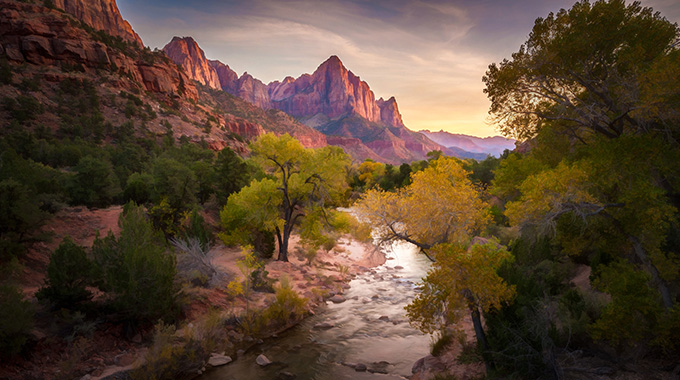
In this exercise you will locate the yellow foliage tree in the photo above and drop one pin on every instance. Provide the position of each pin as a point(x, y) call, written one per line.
point(440, 205)
point(461, 278)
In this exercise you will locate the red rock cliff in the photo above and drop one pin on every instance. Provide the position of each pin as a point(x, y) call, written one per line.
point(227, 77)
point(186, 52)
point(36, 35)
point(331, 90)
point(101, 15)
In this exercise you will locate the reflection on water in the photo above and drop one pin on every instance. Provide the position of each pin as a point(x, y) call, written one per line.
point(370, 328)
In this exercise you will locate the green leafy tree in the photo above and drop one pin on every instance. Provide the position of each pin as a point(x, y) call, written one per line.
point(441, 205)
point(137, 271)
point(586, 71)
point(69, 273)
point(16, 313)
point(20, 217)
point(301, 179)
point(139, 188)
point(231, 174)
point(95, 183)
point(174, 181)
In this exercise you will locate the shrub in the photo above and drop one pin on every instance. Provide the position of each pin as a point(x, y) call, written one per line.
point(263, 243)
point(139, 188)
point(68, 274)
point(137, 270)
point(95, 184)
point(5, 72)
point(16, 314)
point(438, 346)
point(260, 281)
point(195, 262)
point(197, 228)
point(20, 216)
point(168, 357)
point(287, 305)
point(23, 108)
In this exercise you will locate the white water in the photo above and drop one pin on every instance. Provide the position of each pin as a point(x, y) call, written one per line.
point(359, 335)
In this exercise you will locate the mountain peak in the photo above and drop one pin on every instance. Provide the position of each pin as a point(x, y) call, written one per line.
point(185, 51)
point(101, 15)
point(332, 64)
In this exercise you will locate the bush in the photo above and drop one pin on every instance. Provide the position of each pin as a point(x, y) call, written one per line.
point(263, 243)
point(16, 315)
point(139, 188)
point(195, 263)
point(287, 305)
point(197, 228)
point(5, 72)
point(438, 346)
point(23, 109)
point(95, 184)
point(169, 357)
point(20, 216)
point(137, 270)
point(68, 274)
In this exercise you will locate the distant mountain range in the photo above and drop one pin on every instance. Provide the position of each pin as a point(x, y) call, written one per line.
point(494, 146)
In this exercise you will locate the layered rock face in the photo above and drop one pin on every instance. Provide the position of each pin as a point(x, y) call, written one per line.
point(331, 90)
point(185, 52)
point(36, 35)
point(227, 77)
point(389, 112)
point(101, 15)
point(331, 99)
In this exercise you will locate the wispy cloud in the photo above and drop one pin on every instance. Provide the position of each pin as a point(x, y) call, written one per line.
point(429, 54)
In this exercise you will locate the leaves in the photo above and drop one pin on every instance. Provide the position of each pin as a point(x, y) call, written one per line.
point(302, 183)
point(582, 67)
point(440, 205)
point(461, 278)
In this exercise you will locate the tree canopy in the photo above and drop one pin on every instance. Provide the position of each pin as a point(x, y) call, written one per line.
point(593, 69)
point(441, 205)
point(299, 180)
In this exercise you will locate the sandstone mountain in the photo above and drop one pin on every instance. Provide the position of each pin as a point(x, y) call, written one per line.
point(472, 145)
point(332, 100)
point(137, 89)
point(185, 51)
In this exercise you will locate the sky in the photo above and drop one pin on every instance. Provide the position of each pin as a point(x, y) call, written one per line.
point(429, 54)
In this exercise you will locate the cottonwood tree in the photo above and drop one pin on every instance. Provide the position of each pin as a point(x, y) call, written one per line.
point(299, 180)
point(595, 69)
point(439, 212)
point(440, 205)
point(461, 279)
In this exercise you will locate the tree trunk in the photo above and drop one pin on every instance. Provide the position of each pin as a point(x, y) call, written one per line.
point(283, 247)
point(479, 331)
point(660, 284)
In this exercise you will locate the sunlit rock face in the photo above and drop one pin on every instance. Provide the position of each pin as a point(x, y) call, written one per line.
point(331, 90)
point(101, 15)
point(186, 52)
point(37, 35)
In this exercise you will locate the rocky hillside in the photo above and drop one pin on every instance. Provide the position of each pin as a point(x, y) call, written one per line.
point(332, 99)
point(44, 46)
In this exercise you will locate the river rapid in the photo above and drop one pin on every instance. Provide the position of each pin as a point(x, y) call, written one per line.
point(370, 328)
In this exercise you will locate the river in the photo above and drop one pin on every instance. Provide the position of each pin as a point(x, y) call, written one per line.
point(369, 328)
